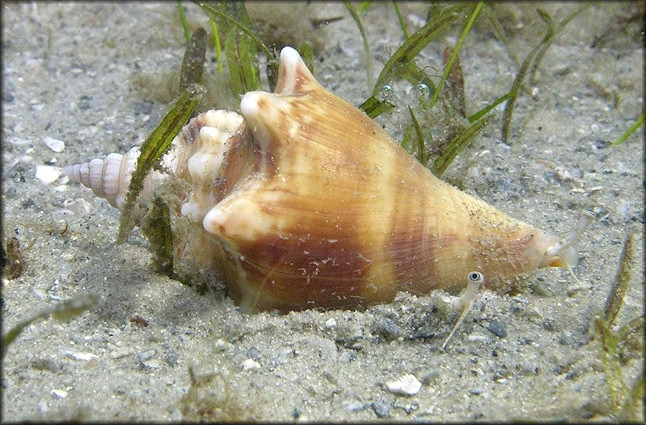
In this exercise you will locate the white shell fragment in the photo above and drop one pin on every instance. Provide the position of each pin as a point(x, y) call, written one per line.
point(80, 355)
point(54, 144)
point(405, 385)
point(250, 364)
point(84, 356)
point(330, 324)
point(59, 393)
point(47, 174)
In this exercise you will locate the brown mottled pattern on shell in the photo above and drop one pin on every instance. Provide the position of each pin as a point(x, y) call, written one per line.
point(293, 280)
point(331, 255)
point(240, 162)
point(393, 225)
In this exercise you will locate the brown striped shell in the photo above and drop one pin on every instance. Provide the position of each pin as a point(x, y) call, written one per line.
point(305, 202)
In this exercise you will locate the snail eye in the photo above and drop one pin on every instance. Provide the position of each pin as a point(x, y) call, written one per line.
point(476, 277)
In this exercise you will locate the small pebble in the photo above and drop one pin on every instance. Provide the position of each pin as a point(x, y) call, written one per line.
point(568, 339)
point(151, 364)
point(477, 338)
point(142, 108)
point(81, 356)
point(250, 364)
point(253, 353)
point(330, 324)
point(176, 415)
point(46, 363)
point(497, 328)
point(354, 405)
point(87, 102)
point(79, 206)
point(388, 328)
point(405, 385)
point(18, 141)
point(622, 208)
point(171, 358)
point(146, 355)
point(429, 376)
point(574, 289)
point(282, 356)
point(349, 356)
point(59, 393)
point(54, 144)
point(382, 408)
point(121, 352)
point(139, 320)
point(47, 174)
point(410, 408)
point(528, 368)
point(222, 345)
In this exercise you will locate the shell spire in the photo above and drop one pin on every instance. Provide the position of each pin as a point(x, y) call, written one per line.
point(305, 202)
point(108, 178)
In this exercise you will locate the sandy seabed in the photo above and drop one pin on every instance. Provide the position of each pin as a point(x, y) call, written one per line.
point(74, 72)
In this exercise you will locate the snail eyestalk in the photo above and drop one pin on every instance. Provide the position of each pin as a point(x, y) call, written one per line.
point(562, 253)
point(474, 280)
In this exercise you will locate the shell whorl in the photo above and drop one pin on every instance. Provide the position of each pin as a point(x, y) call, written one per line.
point(108, 178)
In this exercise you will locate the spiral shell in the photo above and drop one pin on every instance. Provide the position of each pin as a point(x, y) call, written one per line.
point(109, 178)
point(304, 202)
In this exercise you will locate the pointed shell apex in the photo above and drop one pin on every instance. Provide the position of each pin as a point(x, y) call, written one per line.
point(108, 178)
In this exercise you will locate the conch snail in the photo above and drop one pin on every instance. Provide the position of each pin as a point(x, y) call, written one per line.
point(305, 202)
